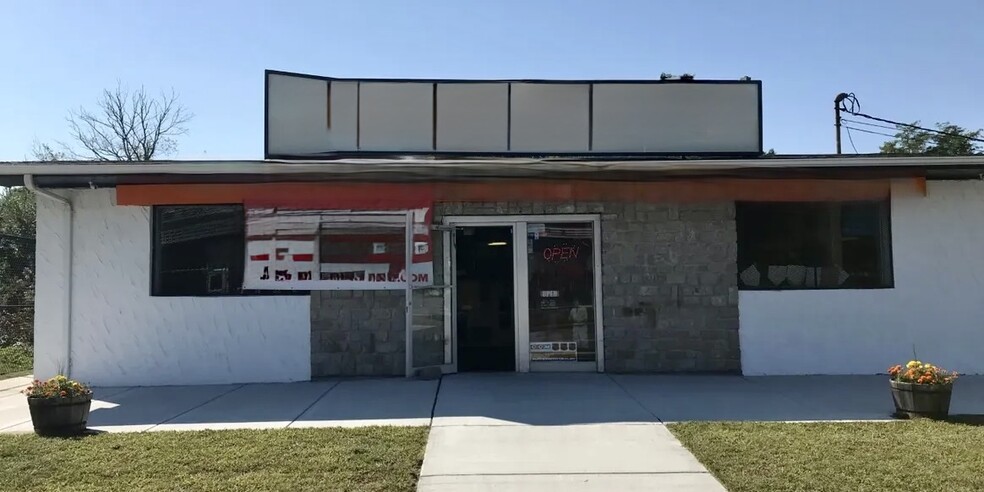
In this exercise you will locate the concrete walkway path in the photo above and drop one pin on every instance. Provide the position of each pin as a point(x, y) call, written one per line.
point(14, 385)
point(341, 403)
point(597, 432)
point(565, 432)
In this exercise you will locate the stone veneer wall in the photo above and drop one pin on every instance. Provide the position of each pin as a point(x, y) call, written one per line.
point(669, 290)
point(670, 287)
point(357, 333)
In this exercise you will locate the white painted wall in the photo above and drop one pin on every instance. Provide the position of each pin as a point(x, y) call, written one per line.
point(937, 303)
point(51, 272)
point(123, 336)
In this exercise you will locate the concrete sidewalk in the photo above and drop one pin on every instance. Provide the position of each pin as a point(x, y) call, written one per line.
point(342, 403)
point(14, 385)
point(511, 432)
point(570, 432)
point(597, 432)
point(488, 400)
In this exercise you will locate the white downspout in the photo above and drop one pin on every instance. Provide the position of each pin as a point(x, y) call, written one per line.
point(68, 251)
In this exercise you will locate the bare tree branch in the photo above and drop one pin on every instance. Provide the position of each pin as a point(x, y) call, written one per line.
point(128, 126)
point(45, 152)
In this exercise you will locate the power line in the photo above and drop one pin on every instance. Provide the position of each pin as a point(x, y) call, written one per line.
point(908, 125)
point(865, 123)
point(868, 131)
point(851, 139)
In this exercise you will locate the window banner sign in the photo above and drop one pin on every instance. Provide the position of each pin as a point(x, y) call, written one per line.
point(309, 249)
point(553, 351)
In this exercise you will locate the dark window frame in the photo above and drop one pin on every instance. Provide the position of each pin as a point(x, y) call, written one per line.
point(156, 287)
point(885, 240)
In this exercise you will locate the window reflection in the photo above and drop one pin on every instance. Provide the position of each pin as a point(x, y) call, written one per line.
point(561, 276)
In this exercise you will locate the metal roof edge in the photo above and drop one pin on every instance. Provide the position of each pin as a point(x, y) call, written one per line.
point(655, 80)
point(389, 165)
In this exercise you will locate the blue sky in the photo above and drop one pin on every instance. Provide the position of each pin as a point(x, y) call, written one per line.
point(905, 59)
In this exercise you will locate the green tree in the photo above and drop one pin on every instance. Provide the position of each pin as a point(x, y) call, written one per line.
point(953, 140)
point(16, 266)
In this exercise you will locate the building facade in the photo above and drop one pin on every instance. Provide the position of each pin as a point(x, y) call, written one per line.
point(197, 273)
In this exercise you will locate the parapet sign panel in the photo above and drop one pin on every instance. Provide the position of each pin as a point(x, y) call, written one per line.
point(308, 116)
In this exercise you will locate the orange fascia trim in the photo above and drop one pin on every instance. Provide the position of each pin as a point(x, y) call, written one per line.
point(367, 196)
point(400, 195)
point(921, 186)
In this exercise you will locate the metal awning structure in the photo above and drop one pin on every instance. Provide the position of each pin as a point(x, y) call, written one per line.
point(410, 168)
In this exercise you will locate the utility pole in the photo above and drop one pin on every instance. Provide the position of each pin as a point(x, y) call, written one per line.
point(837, 118)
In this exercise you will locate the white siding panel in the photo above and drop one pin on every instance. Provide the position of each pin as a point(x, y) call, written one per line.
point(550, 117)
point(396, 116)
point(936, 307)
point(344, 112)
point(297, 115)
point(123, 336)
point(672, 117)
point(540, 117)
point(472, 117)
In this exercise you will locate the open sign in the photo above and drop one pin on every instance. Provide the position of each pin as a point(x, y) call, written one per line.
point(561, 253)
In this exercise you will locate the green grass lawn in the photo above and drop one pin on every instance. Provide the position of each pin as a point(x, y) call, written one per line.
point(363, 459)
point(919, 455)
point(16, 361)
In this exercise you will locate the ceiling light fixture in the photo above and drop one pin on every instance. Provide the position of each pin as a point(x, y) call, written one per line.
point(498, 243)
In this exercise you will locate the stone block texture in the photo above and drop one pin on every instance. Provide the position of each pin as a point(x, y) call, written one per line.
point(357, 333)
point(363, 333)
point(670, 287)
point(669, 291)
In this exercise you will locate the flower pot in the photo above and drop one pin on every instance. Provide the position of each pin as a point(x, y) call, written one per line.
point(922, 400)
point(59, 416)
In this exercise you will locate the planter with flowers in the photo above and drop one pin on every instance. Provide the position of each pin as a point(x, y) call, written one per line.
point(59, 406)
point(921, 390)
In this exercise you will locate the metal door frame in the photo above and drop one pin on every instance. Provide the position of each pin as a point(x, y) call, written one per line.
point(521, 311)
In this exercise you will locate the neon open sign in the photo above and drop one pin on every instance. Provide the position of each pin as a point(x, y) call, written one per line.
point(560, 254)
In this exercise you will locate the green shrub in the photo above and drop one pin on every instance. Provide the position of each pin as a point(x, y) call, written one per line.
point(16, 360)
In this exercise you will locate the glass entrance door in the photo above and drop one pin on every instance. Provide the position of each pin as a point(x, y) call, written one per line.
point(485, 283)
point(561, 278)
point(556, 283)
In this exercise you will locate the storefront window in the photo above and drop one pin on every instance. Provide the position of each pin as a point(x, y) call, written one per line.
point(561, 287)
point(198, 250)
point(831, 245)
point(313, 249)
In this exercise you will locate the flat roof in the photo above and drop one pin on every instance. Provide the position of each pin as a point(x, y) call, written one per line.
point(672, 80)
point(388, 167)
